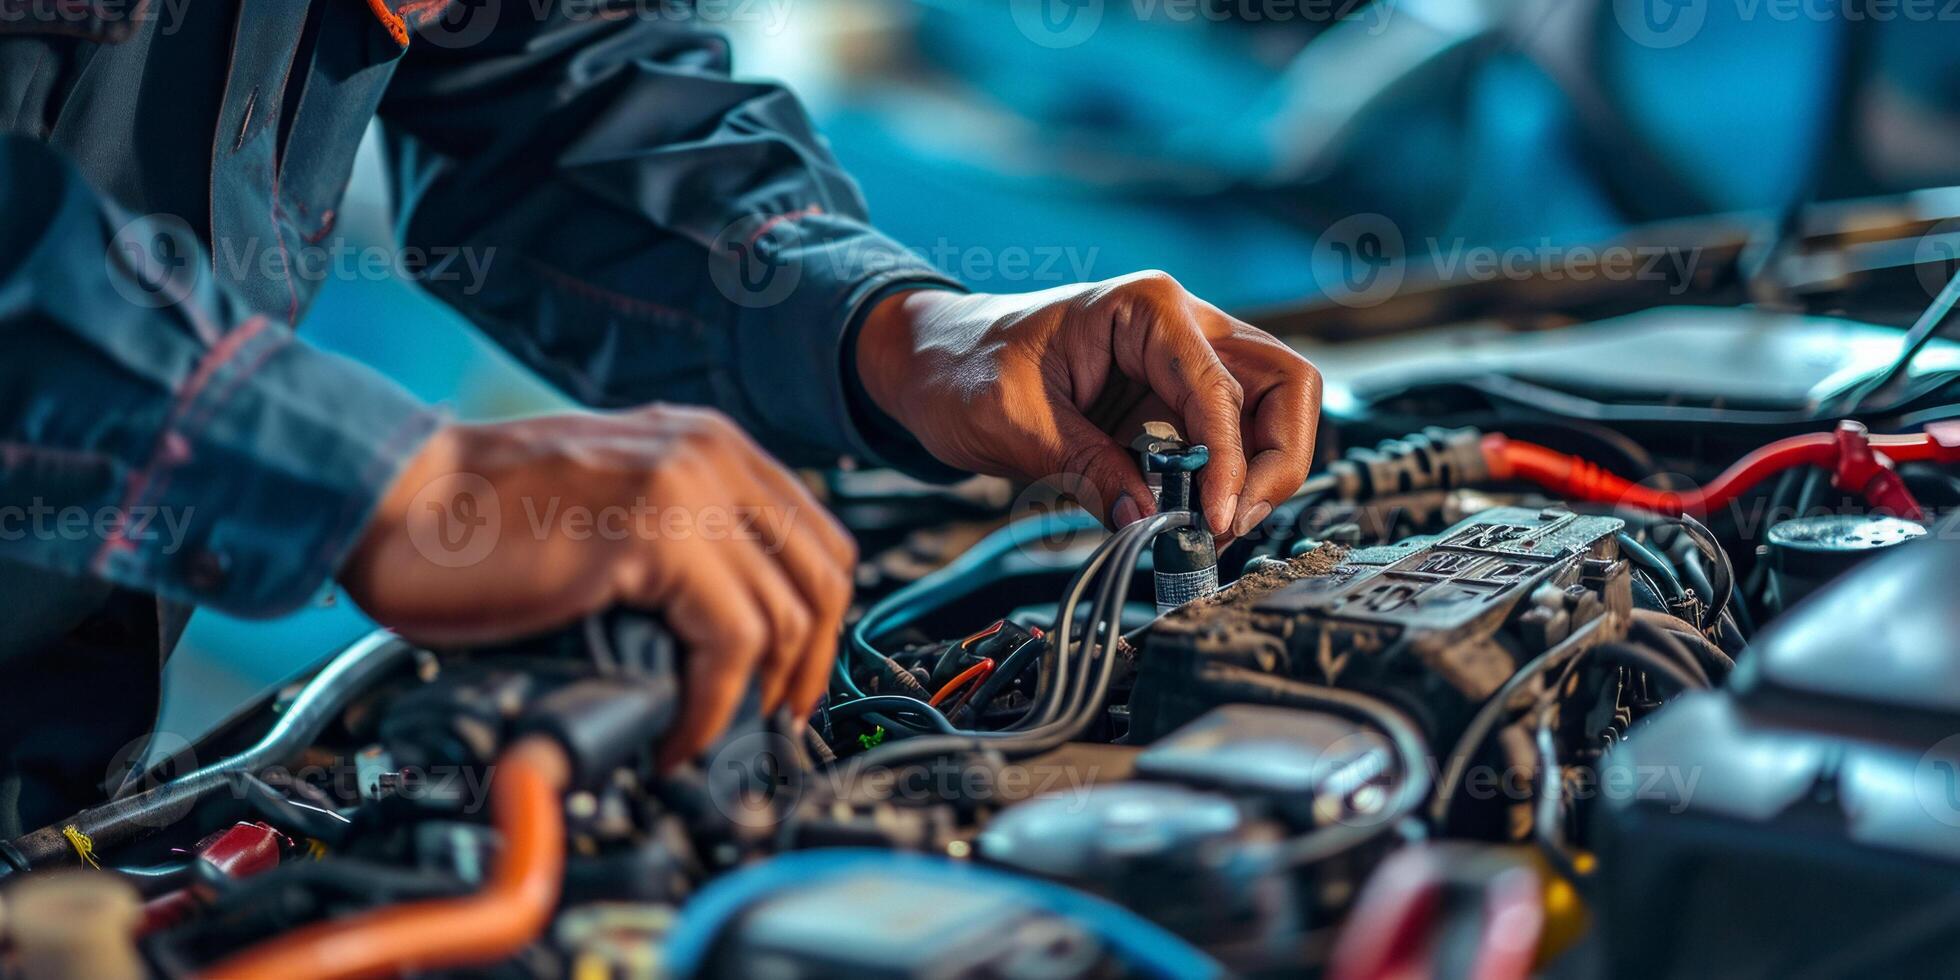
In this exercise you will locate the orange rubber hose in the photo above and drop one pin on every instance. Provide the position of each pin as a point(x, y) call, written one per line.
point(973, 674)
point(489, 926)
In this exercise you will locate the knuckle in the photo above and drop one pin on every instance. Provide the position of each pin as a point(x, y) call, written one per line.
point(1223, 386)
point(1309, 374)
point(1155, 282)
point(793, 624)
point(745, 640)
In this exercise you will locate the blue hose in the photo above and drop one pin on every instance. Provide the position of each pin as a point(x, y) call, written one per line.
point(1140, 942)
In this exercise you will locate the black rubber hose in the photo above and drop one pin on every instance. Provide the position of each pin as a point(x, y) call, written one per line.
point(158, 879)
point(138, 816)
point(870, 706)
point(282, 811)
point(1012, 666)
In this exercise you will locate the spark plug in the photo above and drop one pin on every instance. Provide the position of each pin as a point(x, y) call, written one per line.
point(1184, 560)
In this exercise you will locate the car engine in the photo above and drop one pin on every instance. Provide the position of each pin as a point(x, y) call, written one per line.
point(1521, 690)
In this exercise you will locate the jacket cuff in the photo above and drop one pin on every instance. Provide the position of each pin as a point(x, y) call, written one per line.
point(805, 283)
point(272, 458)
point(885, 442)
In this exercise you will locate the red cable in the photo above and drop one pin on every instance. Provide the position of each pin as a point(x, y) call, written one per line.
point(1858, 463)
point(973, 674)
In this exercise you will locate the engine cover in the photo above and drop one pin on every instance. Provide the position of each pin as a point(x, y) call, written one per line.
point(1434, 624)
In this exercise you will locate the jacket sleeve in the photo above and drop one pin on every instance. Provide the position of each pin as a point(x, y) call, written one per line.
point(155, 434)
point(652, 228)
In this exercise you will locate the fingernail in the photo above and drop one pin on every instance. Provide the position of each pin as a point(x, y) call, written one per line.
point(1251, 518)
point(1222, 523)
point(1127, 512)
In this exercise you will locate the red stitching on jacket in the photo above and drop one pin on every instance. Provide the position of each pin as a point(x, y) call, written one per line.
point(397, 17)
point(397, 27)
point(171, 445)
point(621, 303)
point(768, 226)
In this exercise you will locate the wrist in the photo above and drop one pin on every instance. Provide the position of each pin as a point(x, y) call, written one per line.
point(441, 454)
point(888, 344)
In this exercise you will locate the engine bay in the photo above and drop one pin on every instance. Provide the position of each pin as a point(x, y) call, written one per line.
point(1519, 690)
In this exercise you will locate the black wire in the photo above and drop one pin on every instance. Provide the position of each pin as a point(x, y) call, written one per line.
point(1012, 666)
point(878, 703)
point(1551, 802)
point(1732, 639)
point(1932, 321)
point(1651, 662)
point(1673, 628)
point(1809, 488)
point(157, 879)
point(1698, 580)
point(1719, 567)
point(1126, 546)
point(287, 813)
point(1653, 563)
point(1668, 642)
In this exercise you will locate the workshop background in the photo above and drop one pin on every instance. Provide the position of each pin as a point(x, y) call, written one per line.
point(1023, 144)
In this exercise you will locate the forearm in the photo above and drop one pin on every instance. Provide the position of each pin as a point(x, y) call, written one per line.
point(155, 433)
point(660, 230)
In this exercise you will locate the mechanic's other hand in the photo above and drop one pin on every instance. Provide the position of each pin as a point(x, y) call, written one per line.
point(1038, 384)
point(495, 532)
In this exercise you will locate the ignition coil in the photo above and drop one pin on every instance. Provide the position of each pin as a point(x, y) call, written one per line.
point(1184, 560)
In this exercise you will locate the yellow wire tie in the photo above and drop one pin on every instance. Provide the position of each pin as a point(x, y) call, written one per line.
point(83, 845)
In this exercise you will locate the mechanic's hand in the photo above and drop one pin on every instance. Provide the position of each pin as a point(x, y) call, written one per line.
point(495, 532)
point(1033, 385)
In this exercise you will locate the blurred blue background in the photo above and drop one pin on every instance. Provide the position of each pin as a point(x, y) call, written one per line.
point(1022, 144)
